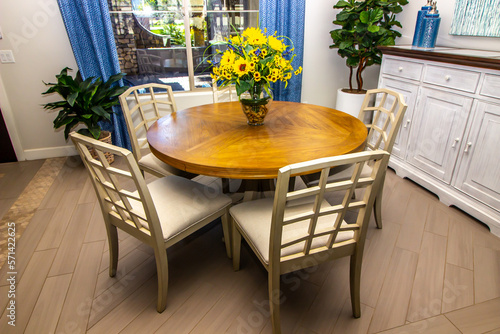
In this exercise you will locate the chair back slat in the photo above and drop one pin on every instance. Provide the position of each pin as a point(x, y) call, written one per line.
point(300, 227)
point(387, 116)
point(142, 106)
point(224, 94)
point(122, 192)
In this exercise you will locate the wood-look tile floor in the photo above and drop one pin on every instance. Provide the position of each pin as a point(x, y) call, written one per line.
point(431, 269)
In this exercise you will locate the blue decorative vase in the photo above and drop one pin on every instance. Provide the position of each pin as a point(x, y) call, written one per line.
point(420, 20)
point(430, 28)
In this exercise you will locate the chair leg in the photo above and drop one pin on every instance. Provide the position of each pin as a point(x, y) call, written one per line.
point(355, 282)
point(162, 273)
point(227, 233)
point(113, 248)
point(377, 206)
point(274, 299)
point(225, 186)
point(236, 242)
point(377, 209)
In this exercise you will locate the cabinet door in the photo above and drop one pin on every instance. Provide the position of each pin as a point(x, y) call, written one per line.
point(409, 92)
point(479, 170)
point(438, 126)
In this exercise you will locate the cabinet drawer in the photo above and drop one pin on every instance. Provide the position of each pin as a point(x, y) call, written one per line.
point(452, 78)
point(402, 69)
point(491, 86)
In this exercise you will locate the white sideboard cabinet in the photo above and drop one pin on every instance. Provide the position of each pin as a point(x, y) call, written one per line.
point(449, 140)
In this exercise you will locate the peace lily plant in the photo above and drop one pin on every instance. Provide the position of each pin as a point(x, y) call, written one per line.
point(252, 61)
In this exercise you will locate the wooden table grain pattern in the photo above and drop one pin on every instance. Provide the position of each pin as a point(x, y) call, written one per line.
point(215, 139)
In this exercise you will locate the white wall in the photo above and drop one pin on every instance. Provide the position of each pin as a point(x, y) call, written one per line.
point(325, 71)
point(34, 30)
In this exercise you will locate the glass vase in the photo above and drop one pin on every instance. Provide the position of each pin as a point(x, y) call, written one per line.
point(255, 106)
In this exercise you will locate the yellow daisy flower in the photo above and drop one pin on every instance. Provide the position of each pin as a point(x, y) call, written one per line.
point(256, 76)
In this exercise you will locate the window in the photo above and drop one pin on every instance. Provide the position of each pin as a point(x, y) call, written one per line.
point(169, 41)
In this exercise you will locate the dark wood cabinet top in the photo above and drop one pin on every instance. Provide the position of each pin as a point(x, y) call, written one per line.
point(466, 57)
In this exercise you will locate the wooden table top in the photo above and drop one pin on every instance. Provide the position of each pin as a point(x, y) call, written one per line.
point(215, 139)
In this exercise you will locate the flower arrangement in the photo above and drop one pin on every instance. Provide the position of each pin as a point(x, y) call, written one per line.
point(252, 61)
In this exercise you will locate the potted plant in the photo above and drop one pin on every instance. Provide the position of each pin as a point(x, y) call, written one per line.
point(86, 102)
point(364, 25)
point(251, 62)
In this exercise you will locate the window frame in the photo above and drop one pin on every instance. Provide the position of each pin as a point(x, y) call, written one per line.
point(186, 11)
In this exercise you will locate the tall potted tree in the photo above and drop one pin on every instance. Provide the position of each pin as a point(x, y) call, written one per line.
point(363, 26)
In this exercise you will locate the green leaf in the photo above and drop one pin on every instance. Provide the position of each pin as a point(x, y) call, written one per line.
point(242, 87)
point(99, 110)
point(71, 98)
point(95, 130)
point(373, 29)
point(345, 45)
point(68, 128)
point(341, 4)
point(371, 16)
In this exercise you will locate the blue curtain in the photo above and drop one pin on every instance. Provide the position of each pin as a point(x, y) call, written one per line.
point(90, 33)
point(287, 18)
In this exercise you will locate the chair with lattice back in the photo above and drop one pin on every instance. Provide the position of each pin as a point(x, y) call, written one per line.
point(223, 94)
point(159, 214)
point(299, 228)
point(387, 114)
point(142, 106)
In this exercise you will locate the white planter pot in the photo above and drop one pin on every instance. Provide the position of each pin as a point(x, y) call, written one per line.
point(349, 103)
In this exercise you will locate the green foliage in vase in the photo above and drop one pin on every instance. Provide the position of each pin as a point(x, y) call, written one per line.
point(364, 25)
point(84, 101)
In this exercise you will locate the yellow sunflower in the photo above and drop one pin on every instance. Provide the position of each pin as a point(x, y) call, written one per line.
point(276, 44)
point(254, 36)
point(241, 67)
point(227, 58)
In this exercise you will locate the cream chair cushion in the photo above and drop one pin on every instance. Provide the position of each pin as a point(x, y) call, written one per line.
point(181, 203)
point(153, 163)
point(257, 217)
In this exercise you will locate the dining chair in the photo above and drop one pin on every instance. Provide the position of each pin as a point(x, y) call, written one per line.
point(299, 228)
point(159, 214)
point(388, 113)
point(225, 94)
point(143, 105)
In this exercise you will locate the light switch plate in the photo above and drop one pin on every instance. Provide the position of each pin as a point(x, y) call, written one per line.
point(6, 56)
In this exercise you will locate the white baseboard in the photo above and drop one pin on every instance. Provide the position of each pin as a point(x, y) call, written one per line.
point(50, 152)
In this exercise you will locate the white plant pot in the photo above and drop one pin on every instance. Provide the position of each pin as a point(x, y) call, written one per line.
point(349, 103)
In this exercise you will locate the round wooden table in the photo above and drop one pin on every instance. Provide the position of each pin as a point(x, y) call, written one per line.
point(215, 139)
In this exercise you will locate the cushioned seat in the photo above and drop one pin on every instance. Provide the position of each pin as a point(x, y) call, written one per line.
point(257, 216)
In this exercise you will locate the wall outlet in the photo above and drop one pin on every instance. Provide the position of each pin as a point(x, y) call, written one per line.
point(6, 56)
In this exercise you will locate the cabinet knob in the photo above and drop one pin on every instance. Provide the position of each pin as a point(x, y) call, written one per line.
point(400, 69)
point(455, 142)
point(469, 144)
point(407, 123)
point(447, 77)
